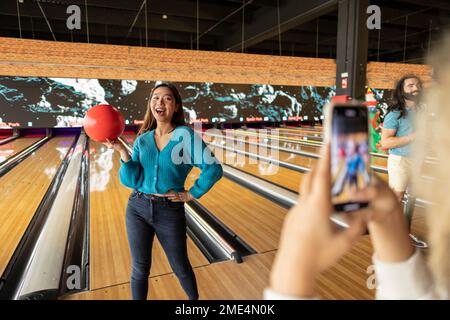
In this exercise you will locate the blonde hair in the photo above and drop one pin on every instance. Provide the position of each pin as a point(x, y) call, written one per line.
point(433, 140)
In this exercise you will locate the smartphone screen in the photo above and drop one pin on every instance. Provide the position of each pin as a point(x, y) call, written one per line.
point(350, 163)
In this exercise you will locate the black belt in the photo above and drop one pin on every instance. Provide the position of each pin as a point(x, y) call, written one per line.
point(156, 198)
point(153, 197)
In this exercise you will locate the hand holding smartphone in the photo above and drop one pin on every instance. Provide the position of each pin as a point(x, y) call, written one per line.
point(348, 133)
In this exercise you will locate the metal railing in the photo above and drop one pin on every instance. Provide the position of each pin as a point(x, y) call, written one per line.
point(77, 247)
point(25, 267)
point(13, 137)
point(283, 197)
point(14, 160)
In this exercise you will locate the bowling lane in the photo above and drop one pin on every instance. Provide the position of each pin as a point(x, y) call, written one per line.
point(295, 144)
point(22, 189)
point(252, 217)
point(300, 135)
point(282, 133)
point(271, 172)
point(377, 161)
point(11, 148)
point(272, 153)
point(110, 260)
point(279, 175)
point(302, 130)
point(299, 131)
point(318, 129)
point(276, 136)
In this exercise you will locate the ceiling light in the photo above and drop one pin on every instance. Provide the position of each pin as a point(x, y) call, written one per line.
point(164, 16)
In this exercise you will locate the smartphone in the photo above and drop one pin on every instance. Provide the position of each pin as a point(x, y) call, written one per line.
point(350, 162)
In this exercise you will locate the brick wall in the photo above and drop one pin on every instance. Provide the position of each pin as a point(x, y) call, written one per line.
point(23, 57)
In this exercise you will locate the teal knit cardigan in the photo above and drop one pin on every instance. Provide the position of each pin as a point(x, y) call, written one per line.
point(156, 172)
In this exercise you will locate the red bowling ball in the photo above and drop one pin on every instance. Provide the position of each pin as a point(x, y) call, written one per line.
point(103, 122)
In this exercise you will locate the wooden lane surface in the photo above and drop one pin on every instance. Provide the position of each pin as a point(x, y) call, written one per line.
point(301, 135)
point(298, 134)
point(296, 144)
point(380, 161)
point(292, 157)
point(307, 162)
point(319, 132)
point(275, 136)
point(252, 217)
point(348, 279)
point(110, 259)
point(11, 148)
point(22, 189)
point(317, 129)
point(273, 173)
point(285, 177)
point(246, 281)
point(224, 280)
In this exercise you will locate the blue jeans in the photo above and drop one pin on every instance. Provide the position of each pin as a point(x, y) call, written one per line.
point(166, 219)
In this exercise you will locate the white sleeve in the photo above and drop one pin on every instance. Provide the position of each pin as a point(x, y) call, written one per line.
point(408, 280)
point(270, 294)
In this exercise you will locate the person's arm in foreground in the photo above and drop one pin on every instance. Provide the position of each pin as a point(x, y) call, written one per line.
point(401, 272)
point(310, 243)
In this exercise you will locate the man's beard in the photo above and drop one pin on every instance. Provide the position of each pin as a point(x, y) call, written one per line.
point(413, 97)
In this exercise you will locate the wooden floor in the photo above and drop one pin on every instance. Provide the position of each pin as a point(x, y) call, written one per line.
point(252, 217)
point(22, 189)
point(349, 279)
point(274, 135)
point(298, 132)
point(110, 260)
point(293, 143)
point(310, 131)
point(378, 161)
point(301, 136)
point(11, 148)
point(271, 172)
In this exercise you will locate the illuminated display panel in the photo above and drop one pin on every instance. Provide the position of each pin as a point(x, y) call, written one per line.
point(62, 102)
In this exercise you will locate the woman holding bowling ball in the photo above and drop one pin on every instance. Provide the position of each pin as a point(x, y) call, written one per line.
point(163, 154)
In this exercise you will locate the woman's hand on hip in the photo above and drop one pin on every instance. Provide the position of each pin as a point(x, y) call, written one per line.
point(184, 196)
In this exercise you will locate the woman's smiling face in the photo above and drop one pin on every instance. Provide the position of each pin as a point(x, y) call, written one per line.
point(162, 104)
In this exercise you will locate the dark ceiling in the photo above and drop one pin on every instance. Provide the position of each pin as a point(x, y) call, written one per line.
point(306, 28)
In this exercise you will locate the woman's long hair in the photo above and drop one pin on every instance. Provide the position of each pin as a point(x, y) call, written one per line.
point(177, 118)
point(433, 140)
point(397, 102)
